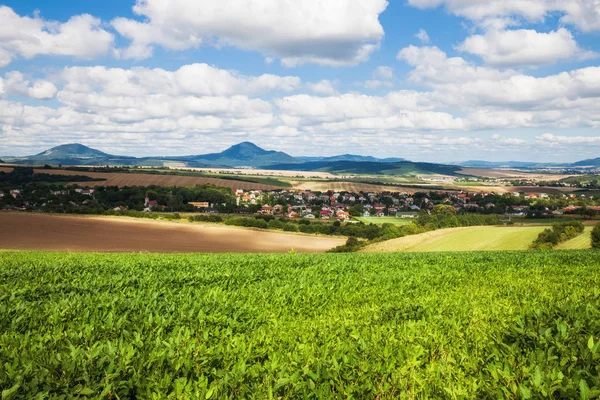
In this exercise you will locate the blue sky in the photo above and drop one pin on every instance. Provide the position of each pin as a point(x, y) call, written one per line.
point(432, 80)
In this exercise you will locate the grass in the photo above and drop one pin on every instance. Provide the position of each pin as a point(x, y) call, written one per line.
point(463, 239)
point(384, 220)
point(387, 326)
point(581, 242)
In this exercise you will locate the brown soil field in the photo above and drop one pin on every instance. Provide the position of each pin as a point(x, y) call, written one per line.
point(125, 179)
point(6, 169)
point(100, 234)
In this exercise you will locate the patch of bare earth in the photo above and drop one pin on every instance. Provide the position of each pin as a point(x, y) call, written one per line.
point(99, 234)
point(126, 179)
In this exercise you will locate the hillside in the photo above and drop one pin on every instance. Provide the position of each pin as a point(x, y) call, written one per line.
point(352, 157)
point(73, 154)
point(480, 238)
point(594, 162)
point(245, 154)
point(381, 168)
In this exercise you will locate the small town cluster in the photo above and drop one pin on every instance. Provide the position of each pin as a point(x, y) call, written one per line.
point(291, 204)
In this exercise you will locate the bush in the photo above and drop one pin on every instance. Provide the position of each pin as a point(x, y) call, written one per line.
point(596, 237)
point(559, 233)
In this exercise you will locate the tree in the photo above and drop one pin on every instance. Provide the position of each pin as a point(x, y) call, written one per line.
point(596, 237)
point(442, 209)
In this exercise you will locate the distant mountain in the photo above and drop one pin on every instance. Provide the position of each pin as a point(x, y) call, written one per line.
point(503, 164)
point(73, 150)
point(594, 162)
point(243, 154)
point(380, 168)
point(73, 154)
point(352, 157)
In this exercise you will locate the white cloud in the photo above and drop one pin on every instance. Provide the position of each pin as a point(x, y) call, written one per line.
point(81, 36)
point(549, 139)
point(585, 14)
point(383, 72)
point(383, 76)
point(432, 66)
point(350, 112)
point(15, 84)
point(324, 86)
point(331, 33)
point(192, 79)
point(423, 36)
point(498, 139)
point(524, 47)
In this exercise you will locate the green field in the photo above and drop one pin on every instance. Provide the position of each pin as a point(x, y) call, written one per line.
point(581, 242)
point(444, 325)
point(384, 220)
point(477, 238)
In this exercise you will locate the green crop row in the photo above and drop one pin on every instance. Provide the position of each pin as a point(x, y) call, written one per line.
point(133, 326)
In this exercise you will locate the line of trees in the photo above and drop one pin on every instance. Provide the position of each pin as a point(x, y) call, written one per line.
point(559, 233)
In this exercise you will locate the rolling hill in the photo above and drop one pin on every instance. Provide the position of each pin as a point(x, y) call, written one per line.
point(379, 168)
point(352, 157)
point(594, 162)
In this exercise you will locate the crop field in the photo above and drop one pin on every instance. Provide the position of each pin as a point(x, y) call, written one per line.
point(384, 220)
point(387, 326)
point(463, 239)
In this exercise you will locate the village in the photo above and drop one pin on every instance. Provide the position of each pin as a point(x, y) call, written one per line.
point(290, 204)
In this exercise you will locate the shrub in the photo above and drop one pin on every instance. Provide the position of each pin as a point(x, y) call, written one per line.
point(596, 237)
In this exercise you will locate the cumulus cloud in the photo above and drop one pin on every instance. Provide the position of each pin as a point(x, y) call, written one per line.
point(423, 36)
point(333, 33)
point(324, 86)
point(498, 139)
point(549, 139)
point(383, 76)
point(524, 47)
point(15, 84)
point(433, 66)
point(192, 79)
point(81, 36)
point(585, 14)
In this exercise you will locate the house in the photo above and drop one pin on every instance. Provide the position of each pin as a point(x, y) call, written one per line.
point(407, 215)
point(326, 214)
point(342, 215)
point(266, 210)
point(292, 214)
point(309, 216)
point(278, 209)
point(199, 204)
point(15, 193)
point(1, 194)
point(366, 214)
point(120, 208)
point(415, 208)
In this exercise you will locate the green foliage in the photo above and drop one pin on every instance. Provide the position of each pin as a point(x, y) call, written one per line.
point(559, 233)
point(596, 237)
point(442, 209)
point(470, 325)
point(447, 220)
point(206, 218)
